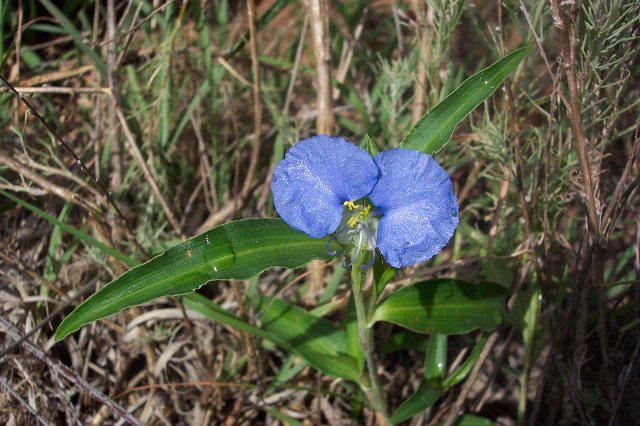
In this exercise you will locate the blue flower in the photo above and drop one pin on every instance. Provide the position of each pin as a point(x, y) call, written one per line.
point(401, 201)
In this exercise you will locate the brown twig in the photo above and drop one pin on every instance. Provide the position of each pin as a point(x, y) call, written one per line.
point(582, 144)
point(70, 375)
point(4, 384)
point(324, 102)
point(66, 148)
point(608, 222)
point(49, 186)
point(112, 131)
point(424, 34)
point(137, 155)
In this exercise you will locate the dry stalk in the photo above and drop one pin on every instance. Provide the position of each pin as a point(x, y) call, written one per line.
point(70, 375)
point(257, 102)
point(582, 145)
point(120, 219)
point(615, 204)
point(346, 56)
point(48, 186)
point(296, 67)
point(247, 186)
point(324, 121)
point(137, 156)
point(59, 90)
point(424, 33)
point(54, 76)
point(55, 313)
point(210, 193)
point(112, 131)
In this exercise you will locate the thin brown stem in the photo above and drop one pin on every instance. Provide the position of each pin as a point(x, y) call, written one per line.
point(425, 21)
point(257, 102)
point(582, 145)
point(318, 19)
point(112, 132)
point(70, 375)
point(319, 23)
point(67, 149)
point(608, 219)
point(137, 155)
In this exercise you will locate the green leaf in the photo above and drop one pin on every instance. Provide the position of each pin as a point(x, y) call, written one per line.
point(211, 310)
point(435, 128)
point(353, 338)
point(445, 306)
point(75, 35)
point(435, 359)
point(370, 146)
point(462, 372)
point(82, 236)
point(420, 400)
point(289, 369)
point(531, 331)
point(382, 274)
point(236, 250)
point(316, 340)
point(278, 415)
point(404, 340)
point(471, 420)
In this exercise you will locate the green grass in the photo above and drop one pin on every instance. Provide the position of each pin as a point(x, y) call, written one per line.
point(182, 78)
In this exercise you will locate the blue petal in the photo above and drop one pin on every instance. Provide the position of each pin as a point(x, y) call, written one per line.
point(315, 178)
point(419, 209)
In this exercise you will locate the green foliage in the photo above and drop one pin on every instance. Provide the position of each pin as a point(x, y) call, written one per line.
point(436, 127)
point(182, 79)
point(314, 339)
point(233, 251)
point(445, 306)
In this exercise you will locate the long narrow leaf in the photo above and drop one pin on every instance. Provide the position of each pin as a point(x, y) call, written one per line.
point(315, 339)
point(424, 397)
point(446, 306)
point(78, 39)
point(82, 236)
point(236, 250)
point(466, 367)
point(435, 360)
point(435, 128)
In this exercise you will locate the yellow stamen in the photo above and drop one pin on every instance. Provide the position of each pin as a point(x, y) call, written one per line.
point(366, 210)
point(352, 222)
point(351, 205)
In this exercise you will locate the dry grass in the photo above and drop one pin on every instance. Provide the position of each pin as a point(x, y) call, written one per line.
point(167, 127)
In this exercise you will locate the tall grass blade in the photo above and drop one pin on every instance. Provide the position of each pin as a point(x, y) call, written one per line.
point(71, 30)
point(236, 250)
point(435, 128)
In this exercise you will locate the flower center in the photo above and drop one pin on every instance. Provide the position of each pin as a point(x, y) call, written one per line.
point(357, 213)
point(358, 229)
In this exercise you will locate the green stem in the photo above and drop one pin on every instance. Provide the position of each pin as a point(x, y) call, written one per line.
point(365, 337)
